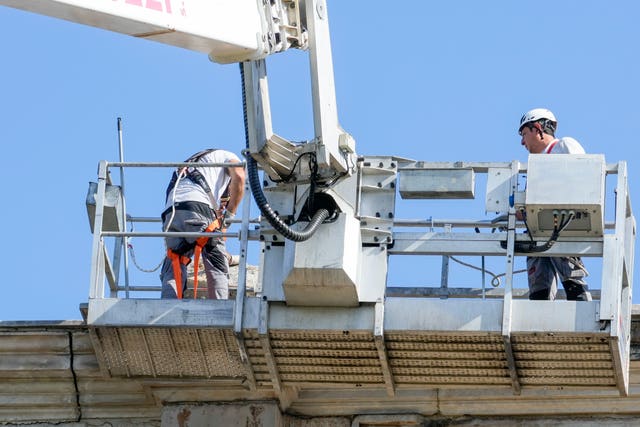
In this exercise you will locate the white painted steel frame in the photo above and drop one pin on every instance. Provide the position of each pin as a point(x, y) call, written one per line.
point(406, 314)
point(227, 31)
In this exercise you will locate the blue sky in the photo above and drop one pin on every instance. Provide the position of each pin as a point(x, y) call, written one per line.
point(433, 81)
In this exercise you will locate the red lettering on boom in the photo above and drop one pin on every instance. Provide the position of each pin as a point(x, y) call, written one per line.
point(151, 4)
point(154, 5)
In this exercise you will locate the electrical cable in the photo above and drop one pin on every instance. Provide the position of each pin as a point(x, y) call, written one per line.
point(135, 262)
point(495, 281)
point(258, 195)
point(180, 173)
point(293, 168)
point(530, 247)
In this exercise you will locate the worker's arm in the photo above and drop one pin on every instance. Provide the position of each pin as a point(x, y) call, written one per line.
point(236, 187)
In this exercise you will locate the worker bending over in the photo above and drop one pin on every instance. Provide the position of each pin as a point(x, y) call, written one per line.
point(200, 199)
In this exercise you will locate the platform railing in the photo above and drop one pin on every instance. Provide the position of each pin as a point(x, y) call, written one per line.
point(440, 240)
point(253, 318)
point(615, 247)
point(448, 238)
point(103, 269)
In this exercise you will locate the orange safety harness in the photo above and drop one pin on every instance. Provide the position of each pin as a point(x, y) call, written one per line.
point(177, 259)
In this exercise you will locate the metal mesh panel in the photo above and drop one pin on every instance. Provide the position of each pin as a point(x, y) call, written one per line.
point(221, 351)
point(320, 362)
point(331, 379)
point(561, 359)
point(443, 337)
point(113, 354)
point(579, 363)
point(340, 358)
point(447, 359)
point(565, 381)
point(449, 346)
point(435, 381)
point(300, 352)
point(189, 352)
point(136, 352)
point(326, 357)
point(330, 336)
point(165, 359)
point(165, 352)
point(257, 358)
point(447, 363)
point(574, 356)
point(453, 355)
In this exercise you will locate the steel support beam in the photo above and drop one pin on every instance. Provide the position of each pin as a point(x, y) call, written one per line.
point(378, 335)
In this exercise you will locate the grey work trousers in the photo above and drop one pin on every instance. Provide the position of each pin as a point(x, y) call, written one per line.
point(543, 274)
point(216, 264)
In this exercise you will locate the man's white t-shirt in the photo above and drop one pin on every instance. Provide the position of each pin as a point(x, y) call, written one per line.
point(217, 178)
point(566, 145)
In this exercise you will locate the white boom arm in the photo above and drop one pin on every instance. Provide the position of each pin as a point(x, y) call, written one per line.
point(228, 31)
point(244, 31)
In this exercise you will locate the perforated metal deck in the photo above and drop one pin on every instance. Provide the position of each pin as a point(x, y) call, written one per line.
point(169, 352)
point(313, 351)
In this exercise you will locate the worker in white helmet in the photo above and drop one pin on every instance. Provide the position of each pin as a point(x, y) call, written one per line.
point(537, 129)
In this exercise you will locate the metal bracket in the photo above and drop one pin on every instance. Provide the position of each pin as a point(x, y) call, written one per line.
point(508, 288)
point(265, 342)
point(378, 335)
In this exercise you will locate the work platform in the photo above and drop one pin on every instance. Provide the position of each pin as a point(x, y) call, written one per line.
point(392, 351)
point(405, 343)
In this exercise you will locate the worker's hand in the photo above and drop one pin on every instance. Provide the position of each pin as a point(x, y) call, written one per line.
point(226, 218)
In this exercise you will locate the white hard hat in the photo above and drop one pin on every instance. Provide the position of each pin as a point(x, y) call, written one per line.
point(535, 115)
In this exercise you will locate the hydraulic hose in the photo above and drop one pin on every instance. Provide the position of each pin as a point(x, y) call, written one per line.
point(530, 247)
point(258, 195)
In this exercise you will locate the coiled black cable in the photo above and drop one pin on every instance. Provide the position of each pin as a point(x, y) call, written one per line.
point(531, 247)
point(258, 195)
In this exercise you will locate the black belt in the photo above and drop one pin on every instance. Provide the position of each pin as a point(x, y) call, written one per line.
point(189, 205)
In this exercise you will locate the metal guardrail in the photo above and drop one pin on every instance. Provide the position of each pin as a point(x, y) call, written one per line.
point(102, 268)
point(612, 311)
point(446, 243)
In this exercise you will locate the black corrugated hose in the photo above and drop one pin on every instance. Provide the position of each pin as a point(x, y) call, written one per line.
point(258, 195)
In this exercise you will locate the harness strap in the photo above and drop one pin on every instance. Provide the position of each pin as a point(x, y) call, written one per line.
point(176, 260)
point(215, 225)
point(194, 175)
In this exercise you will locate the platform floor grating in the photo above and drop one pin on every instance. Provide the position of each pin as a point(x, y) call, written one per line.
point(300, 357)
point(347, 358)
point(169, 352)
point(552, 359)
point(441, 358)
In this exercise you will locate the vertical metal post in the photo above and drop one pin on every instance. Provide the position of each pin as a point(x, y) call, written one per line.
point(238, 310)
point(444, 275)
point(508, 288)
point(483, 277)
point(96, 288)
point(125, 239)
point(616, 293)
point(256, 88)
point(265, 342)
point(242, 267)
point(378, 336)
point(444, 272)
point(612, 257)
point(325, 112)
